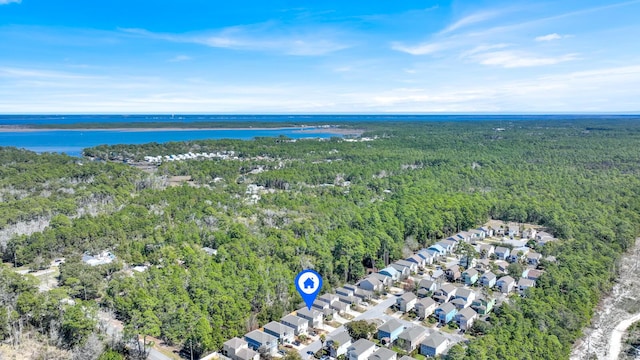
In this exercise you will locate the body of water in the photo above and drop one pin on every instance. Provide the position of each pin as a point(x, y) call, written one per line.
point(72, 142)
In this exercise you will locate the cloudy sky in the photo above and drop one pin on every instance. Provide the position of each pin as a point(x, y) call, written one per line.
point(203, 56)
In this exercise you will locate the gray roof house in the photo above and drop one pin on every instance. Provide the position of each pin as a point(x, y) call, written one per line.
point(284, 333)
point(259, 340)
point(435, 344)
point(314, 317)
point(406, 302)
point(505, 284)
point(502, 252)
point(465, 318)
point(247, 354)
point(371, 283)
point(403, 271)
point(298, 324)
point(411, 338)
point(231, 347)
point(360, 350)
point(342, 340)
point(383, 354)
point(425, 307)
point(344, 291)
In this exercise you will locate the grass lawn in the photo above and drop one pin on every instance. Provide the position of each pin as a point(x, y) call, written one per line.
point(419, 357)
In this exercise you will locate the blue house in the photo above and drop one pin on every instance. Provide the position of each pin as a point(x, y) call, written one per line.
point(435, 344)
point(391, 272)
point(391, 329)
point(445, 313)
point(470, 276)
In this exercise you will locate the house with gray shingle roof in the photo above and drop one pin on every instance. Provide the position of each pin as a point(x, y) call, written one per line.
point(434, 345)
point(360, 350)
point(258, 340)
point(298, 324)
point(406, 302)
point(425, 307)
point(383, 354)
point(465, 318)
point(284, 333)
point(391, 329)
point(411, 338)
point(342, 340)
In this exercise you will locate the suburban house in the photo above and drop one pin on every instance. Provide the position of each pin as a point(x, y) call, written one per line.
point(445, 293)
point(413, 267)
point(500, 231)
point(238, 349)
point(477, 234)
point(284, 333)
point(406, 302)
point(429, 285)
point(543, 238)
point(384, 279)
point(488, 231)
point(533, 258)
point(407, 357)
point(338, 343)
point(445, 313)
point(518, 254)
point(411, 338)
point(532, 274)
point(514, 231)
point(483, 306)
point(425, 307)
point(502, 265)
point(453, 273)
point(340, 307)
point(427, 256)
point(470, 276)
point(434, 345)
point(463, 298)
point(323, 307)
point(486, 250)
point(363, 294)
point(529, 233)
point(391, 272)
point(488, 279)
point(298, 324)
point(524, 284)
point(437, 274)
point(328, 298)
point(313, 317)
point(258, 340)
point(505, 284)
point(465, 318)
point(402, 270)
point(436, 250)
point(383, 354)
point(502, 253)
point(417, 259)
point(350, 300)
point(344, 292)
point(370, 283)
point(360, 350)
point(391, 330)
point(448, 245)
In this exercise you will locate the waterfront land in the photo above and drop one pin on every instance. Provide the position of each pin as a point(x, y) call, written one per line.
point(194, 243)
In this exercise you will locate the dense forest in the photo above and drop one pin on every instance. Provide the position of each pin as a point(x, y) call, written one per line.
point(333, 205)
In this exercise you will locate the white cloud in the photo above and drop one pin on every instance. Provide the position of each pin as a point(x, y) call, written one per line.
point(516, 59)
point(180, 58)
point(420, 49)
point(258, 37)
point(470, 20)
point(549, 37)
point(483, 48)
point(5, 2)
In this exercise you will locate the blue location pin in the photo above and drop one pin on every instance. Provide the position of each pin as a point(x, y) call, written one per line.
point(308, 283)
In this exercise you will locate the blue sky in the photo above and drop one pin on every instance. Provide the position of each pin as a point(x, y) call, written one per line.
point(203, 56)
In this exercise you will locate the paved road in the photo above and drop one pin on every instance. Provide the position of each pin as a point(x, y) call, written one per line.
point(615, 343)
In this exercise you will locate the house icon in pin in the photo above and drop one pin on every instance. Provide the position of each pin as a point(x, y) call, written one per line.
point(309, 284)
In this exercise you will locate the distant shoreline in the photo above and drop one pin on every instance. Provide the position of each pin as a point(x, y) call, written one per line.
point(297, 129)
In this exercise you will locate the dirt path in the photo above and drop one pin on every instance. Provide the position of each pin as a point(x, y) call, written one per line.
point(615, 343)
point(603, 338)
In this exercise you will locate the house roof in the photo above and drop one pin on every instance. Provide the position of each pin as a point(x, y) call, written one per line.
point(506, 279)
point(400, 268)
point(448, 288)
point(446, 308)
point(417, 258)
point(407, 357)
point(383, 354)
point(372, 280)
point(342, 338)
point(350, 287)
point(408, 296)
point(343, 290)
point(424, 254)
point(533, 273)
point(436, 274)
point(426, 302)
point(340, 306)
point(390, 326)
point(390, 270)
point(246, 354)
point(471, 272)
point(501, 249)
point(487, 247)
point(526, 282)
point(304, 312)
point(488, 275)
point(438, 247)
point(261, 337)
point(448, 242)
point(459, 302)
point(406, 263)
point(360, 346)
point(292, 319)
point(235, 343)
point(464, 293)
point(427, 284)
point(523, 249)
point(467, 313)
point(329, 297)
point(434, 340)
point(278, 328)
point(534, 256)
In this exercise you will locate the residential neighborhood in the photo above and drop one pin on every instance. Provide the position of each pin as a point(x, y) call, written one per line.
point(421, 306)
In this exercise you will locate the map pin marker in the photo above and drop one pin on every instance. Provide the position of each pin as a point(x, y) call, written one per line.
point(308, 283)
